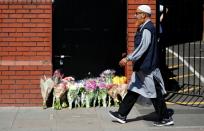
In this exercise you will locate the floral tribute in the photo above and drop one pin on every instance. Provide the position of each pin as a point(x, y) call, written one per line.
point(101, 91)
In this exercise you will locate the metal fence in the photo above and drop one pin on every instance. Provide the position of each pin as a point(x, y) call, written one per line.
point(185, 74)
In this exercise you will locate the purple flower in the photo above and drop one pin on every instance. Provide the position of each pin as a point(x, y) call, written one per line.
point(102, 85)
point(90, 84)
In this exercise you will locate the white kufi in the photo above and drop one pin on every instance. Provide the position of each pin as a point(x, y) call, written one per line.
point(145, 8)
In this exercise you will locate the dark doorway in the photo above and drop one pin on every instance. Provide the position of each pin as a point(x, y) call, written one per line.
point(89, 36)
point(183, 20)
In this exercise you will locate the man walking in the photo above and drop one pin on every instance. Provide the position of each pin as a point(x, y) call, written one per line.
point(146, 79)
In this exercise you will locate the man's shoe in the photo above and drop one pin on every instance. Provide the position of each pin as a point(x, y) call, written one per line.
point(117, 117)
point(164, 122)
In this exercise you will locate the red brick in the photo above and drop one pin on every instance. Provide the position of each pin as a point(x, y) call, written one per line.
point(37, 39)
point(34, 81)
point(23, 49)
point(5, 101)
point(8, 29)
point(23, 101)
point(40, 29)
point(24, 39)
point(9, 20)
point(3, 34)
point(15, 43)
point(5, 39)
point(23, 30)
point(44, 16)
point(4, 77)
point(3, 44)
point(15, 6)
point(4, 86)
point(8, 91)
point(26, 77)
point(31, 86)
point(4, 16)
point(15, 15)
point(49, 73)
point(8, 73)
point(15, 53)
point(47, 20)
point(45, 67)
point(43, 53)
point(39, 101)
point(23, 82)
point(28, 43)
point(15, 96)
point(38, 49)
point(15, 67)
point(37, 20)
point(8, 11)
point(35, 91)
point(22, 11)
point(31, 16)
point(22, 72)
point(32, 96)
point(23, 20)
point(3, 6)
point(29, 53)
point(48, 11)
point(43, 43)
point(45, 59)
point(43, 6)
point(43, 25)
point(4, 96)
point(31, 104)
point(36, 73)
point(23, 58)
point(37, 11)
point(30, 68)
point(22, 91)
point(3, 68)
point(16, 34)
point(16, 86)
point(9, 82)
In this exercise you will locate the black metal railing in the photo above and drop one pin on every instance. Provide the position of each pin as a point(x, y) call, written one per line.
point(185, 79)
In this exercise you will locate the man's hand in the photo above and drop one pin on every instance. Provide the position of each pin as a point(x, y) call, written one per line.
point(123, 62)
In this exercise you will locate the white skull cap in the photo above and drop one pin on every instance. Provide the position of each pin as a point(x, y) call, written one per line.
point(145, 8)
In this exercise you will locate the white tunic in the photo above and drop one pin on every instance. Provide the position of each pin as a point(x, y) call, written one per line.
point(141, 82)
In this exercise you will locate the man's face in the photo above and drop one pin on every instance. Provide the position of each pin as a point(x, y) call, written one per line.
point(140, 17)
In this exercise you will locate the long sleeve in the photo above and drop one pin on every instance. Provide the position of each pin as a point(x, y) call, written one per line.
point(143, 46)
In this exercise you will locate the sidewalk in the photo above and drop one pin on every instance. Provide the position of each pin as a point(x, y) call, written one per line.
point(95, 119)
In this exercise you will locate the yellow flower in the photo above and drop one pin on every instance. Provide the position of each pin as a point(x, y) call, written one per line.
point(116, 80)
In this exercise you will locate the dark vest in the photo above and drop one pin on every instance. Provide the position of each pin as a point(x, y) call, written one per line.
point(149, 61)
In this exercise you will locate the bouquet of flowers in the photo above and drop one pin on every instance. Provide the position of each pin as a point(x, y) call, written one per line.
point(46, 85)
point(72, 95)
point(102, 93)
point(81, 93)
point(91, 92)
point(118, 80)
point(59, 91)
point(108, 75)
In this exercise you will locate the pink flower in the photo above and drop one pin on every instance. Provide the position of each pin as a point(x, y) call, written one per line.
point(90, 84)
point(58, 74)
point(102, 85)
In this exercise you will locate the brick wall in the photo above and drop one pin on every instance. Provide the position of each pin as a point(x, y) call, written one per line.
point(25, 50)
point(131, 28)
